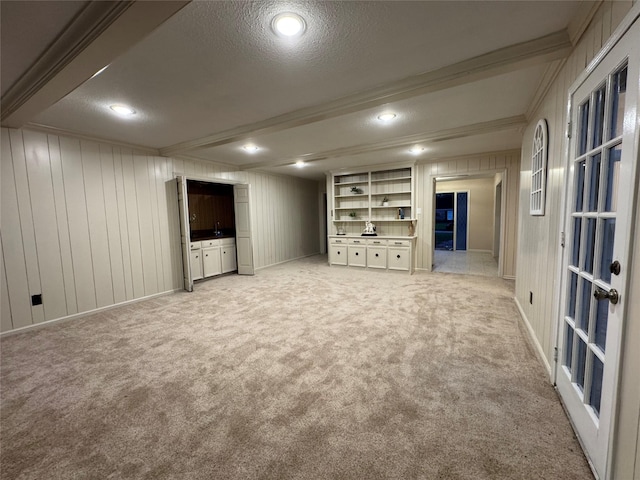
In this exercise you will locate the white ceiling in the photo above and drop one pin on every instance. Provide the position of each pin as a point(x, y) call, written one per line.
point(214, 77)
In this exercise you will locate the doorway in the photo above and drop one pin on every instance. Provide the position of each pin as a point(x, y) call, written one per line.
point(464, 227)
point(451, 221)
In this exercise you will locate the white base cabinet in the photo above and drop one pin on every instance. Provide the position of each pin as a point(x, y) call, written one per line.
point(382, 253)
point(228, 255)
point(213, 257)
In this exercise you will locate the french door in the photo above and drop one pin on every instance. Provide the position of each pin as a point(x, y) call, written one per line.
point(603, 157)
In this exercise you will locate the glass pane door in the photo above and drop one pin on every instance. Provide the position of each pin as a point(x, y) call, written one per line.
point(597, 226)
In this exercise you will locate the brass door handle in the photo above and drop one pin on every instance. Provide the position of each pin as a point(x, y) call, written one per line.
point(612, 295)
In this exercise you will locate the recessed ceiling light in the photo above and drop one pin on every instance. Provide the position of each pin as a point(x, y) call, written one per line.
point(100, 71)
point(250, 148)
point(288, 24)
point(416, 150)
point(386, 117)
point(300, 164)
point(124, 110)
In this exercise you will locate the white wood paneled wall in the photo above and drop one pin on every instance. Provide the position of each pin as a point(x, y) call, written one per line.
point(469, 165)
point(538, 249)
point(90, 225)
point(540, 235)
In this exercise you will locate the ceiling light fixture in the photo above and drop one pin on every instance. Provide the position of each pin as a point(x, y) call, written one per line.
point(100, 71)
point(250, 148)
point(416, 150)
point(300, 164)
point(386, 117)
point(123, 110)
point(288, 24)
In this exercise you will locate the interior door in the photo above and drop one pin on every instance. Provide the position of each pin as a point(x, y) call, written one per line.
point(244, 241)
point(603, 154)
point(185, 233)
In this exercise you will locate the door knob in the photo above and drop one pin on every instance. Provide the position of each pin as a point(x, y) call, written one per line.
point(615, 267)
point(612, 295)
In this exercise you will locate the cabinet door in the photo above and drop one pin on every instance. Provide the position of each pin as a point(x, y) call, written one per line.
point(211, 261)
point(398, 258)
point(357, 256)
point(338, 254)
point(377, 257)
point(228, 254)
point(196, 264)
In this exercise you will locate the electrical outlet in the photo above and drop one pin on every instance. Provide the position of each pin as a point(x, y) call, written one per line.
point(531, 298)
point(36, 300)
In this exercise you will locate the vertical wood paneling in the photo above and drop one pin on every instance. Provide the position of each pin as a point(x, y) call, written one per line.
point(26, 220)
point(155, 221)
point(101, 223)
point(123, 223)
point(78, 223)
point(133, 228)
point(45, 225)
point(96, 215)
point(145, 223)
point(64, 238)
point(112, 223)
point(5, 305)
point(14, 263)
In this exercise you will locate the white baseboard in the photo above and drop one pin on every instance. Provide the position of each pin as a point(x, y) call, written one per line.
point(87, 313)
point(509, 277)
point(289, 260)
point(534, 340)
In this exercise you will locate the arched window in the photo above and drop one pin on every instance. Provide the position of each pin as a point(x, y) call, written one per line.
point(539, 168)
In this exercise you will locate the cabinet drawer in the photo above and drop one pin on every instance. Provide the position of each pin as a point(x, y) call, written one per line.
point(376, 257)
point(337, 254)
point(357, 241)
point(398, 258)
point(357, 256)
point(228, 241)
point(399, 243)
point(195, 245)
point(339, 241)
point(377, 242)
point(210, 243)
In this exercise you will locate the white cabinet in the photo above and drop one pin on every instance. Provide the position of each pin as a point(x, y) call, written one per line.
point(338, 251)
point(357, 256)
point(211, 264)
point(213, 257)
point(377, 254)
point(228, 255)
point(399, 255)
point(195, 257)
point(383, 253)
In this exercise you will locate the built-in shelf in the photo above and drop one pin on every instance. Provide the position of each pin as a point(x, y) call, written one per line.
point(397, 184)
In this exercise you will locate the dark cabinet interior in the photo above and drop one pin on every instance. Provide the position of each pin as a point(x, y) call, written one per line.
point(211, 213)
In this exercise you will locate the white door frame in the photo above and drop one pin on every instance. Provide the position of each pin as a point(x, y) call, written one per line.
point(613, 364)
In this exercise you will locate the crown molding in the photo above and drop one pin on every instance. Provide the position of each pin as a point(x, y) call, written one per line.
point(507, 123)
point(581, 20)
point(97, 35)
point(541, 50)
point(68, 133)
point(470, 156)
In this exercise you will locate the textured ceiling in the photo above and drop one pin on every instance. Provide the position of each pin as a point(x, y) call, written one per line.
point(216, 68)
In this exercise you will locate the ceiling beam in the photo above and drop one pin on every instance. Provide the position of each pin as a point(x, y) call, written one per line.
point(541, 50)
point(98, 34)
point(508, 123)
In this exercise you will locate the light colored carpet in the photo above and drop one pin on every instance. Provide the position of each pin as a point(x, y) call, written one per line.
point(465, 262)
point(300, 372)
